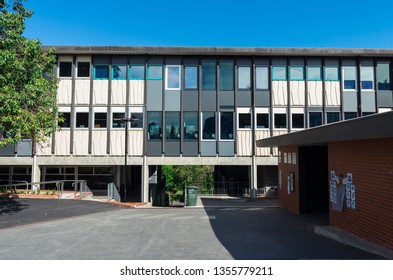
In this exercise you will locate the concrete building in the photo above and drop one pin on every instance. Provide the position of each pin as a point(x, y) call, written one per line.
point(201, 106)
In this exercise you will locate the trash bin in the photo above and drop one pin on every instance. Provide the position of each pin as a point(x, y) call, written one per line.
point(192, 194)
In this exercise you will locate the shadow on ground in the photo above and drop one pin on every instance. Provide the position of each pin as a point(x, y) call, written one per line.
point(11, 206)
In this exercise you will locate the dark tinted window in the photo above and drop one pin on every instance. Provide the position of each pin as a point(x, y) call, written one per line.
point(83, 69)
point(65, 69)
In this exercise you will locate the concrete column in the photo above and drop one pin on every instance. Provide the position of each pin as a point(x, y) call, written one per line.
point(145, 181)
point(35, 173)
point(254, 178)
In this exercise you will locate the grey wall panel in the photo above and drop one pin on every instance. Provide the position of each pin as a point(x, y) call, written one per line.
point(155, 60)
point(154, 95)
point(262, 61)
point(119, 59)
point(101, 59)
point(244, 61)
point(208, 101)
point(172, 100)
point(315, 109)
point(190, 101)
point(314, 61)
point(172, 148)
point(350, 101)
point(367, 62)
point(137, 60)
point(208, 148)
point(349, 62)
point(368, 101)
point(227, 98)
point(333, 109)
point(279, 61)
point(153, 148)
point(296, 61)
point(190, 61)
point(7, 150)
point(24, 148)
point(332, 62)
point(243, 98)
point(226, 148)
point(172, 60)
point(262, 98)
point(190, 148)
point(385, 98)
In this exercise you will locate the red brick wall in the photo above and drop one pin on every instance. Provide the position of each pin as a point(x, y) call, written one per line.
point(371, 165)
point(289, 201)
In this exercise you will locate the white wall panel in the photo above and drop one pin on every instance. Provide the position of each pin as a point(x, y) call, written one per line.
point(82, 92)
point(314, 93)
point(62, 144)
point(279, 93)
point(117, 143)
point(98, 145)
point(45, 149)
point(261, 134)
point(276, 133)
point(81, 140)
point(298, 89)
point(119, 92)
point(135, 142)
point(244, 142)
point(137, 90)
point(100, 92)
point(64, 92)
point(333, 96)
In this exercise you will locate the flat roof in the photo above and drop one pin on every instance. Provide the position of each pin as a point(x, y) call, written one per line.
point(239, 51)
point(369, 127)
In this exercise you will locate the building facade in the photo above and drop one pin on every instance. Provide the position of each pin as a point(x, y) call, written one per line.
point(195, 106)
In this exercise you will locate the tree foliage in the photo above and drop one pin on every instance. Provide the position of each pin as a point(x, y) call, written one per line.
point(28, 86)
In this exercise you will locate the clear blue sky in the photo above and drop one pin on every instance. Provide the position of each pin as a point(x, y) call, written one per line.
point(244, 23)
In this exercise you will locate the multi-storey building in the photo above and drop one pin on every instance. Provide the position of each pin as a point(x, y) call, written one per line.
point(195, 106)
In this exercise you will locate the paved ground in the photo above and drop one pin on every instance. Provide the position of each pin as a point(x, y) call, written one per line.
point(222, 229)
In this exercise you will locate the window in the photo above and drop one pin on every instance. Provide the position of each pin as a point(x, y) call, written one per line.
point(244, 120)
point(262, 77)
point(367, 77)
point(226, 125)
point(154, 72)
point(383, 76)
point(331, 73)
point(226, 75)
point(137, 120)
point(244, 77)
point(279, 73)
point(208, 75)
point(65, 70)
point(191, 125)
point(280, 120)
point(154, 124)
point(119, 72)
point(350, 115)
point(82, 120)
point(172, 77)
point(172, 125)
point(314, 73)
point(332, 117)
point(296, 73)
point(100, 120)
point(117, 121)
point(137, 72)
point(101, 72)
point(262, 120)
point(190, 77)
point(297, 120)
point(83, 69)
point(315, 119)
point(209, 125)
point(349, 76)
point(66, 123)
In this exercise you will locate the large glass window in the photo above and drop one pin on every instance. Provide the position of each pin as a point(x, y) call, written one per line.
point(349, 78)
point(262, 120)
point(367, 77)
point(66, 123)
point(296, 73)
point(383, 75)
point(209, 125)
point(279, 73)
point(100, 120)
point(101, 72)
point(137, 72)
point(262, 77)
point(82, 120)
point(117, 120)
point(315, 119)
point(83, 69)
point(136, 120)
point(191, 125)
point(226, 75)
point(314, 73)
point(280, 120)
point(297, 120)
point(172, 125)
point(332, 117)
point(154, 72)
point(154, 124)
point(208, 75)
point(331, 73)
point(350, 115)
point(172, 78)
point(244, 77)
point(244, 120)
point(119, 72)
point(226, 125)
point(190, 77)
point(65, 70)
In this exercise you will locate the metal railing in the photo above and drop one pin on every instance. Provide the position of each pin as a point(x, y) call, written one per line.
point(113, 192)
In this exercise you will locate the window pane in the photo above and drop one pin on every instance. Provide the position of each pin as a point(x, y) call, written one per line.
point(296, 73)
point(350, 115)
point(101, 71)
point(297, 120)
point(117, 120)
point(154, 124)
point(279, 73)
point(244, 77)
point(383, 76)
point(314, 73)
point(172, 125)
point(262, 120)
point(208, 75)
point(82, 120)
point(315, 119)
point(226, 122)
point(191, 125)
point(262, 77)
point(83, 69)
point(367, 77)
point(226, 75)
point(244, 120)
point(332, 117)
point(67, 120)
point(99, 120)
point(331, 74)
point(136, 120)
point(119, 72)
point(65, 69)
point(155, 72)
point(280, 120)
point(173, 77)
point(349, 77)
point(209, 125)
point(191, 77)
point(137, 72)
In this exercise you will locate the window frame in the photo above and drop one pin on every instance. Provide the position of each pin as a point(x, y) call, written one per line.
point(122, 124)
point(279, 79)
point(355, 81)
point(249, 78)
point(314, 67)
point(238, 121)
point(268, 120)
point(113, 71)
point(220, 127)
point(70, 121)
point(304, 121)
point(64, 77)
point(328, 113)
point(214, 63)
point(77, 70)
point(389, 74)
point(337, 71)
point(167, 77)
point(76, 120)
point(185, 77)
point(149, 72)
point(267, 77)
point(291, 74)
point(202, 126)
point(144, 72)
point(372, 78)
point(179, 127)
point(159, 113)
point(196, 129)
point(141, 121)
point(95, 72)
point(94, 120)
point(309, 119)
point(274, 121)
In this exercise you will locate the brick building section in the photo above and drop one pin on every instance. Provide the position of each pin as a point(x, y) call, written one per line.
point(289, 201)
point(371, 165)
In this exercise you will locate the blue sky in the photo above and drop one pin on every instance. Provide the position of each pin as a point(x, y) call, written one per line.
point(244, 23)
